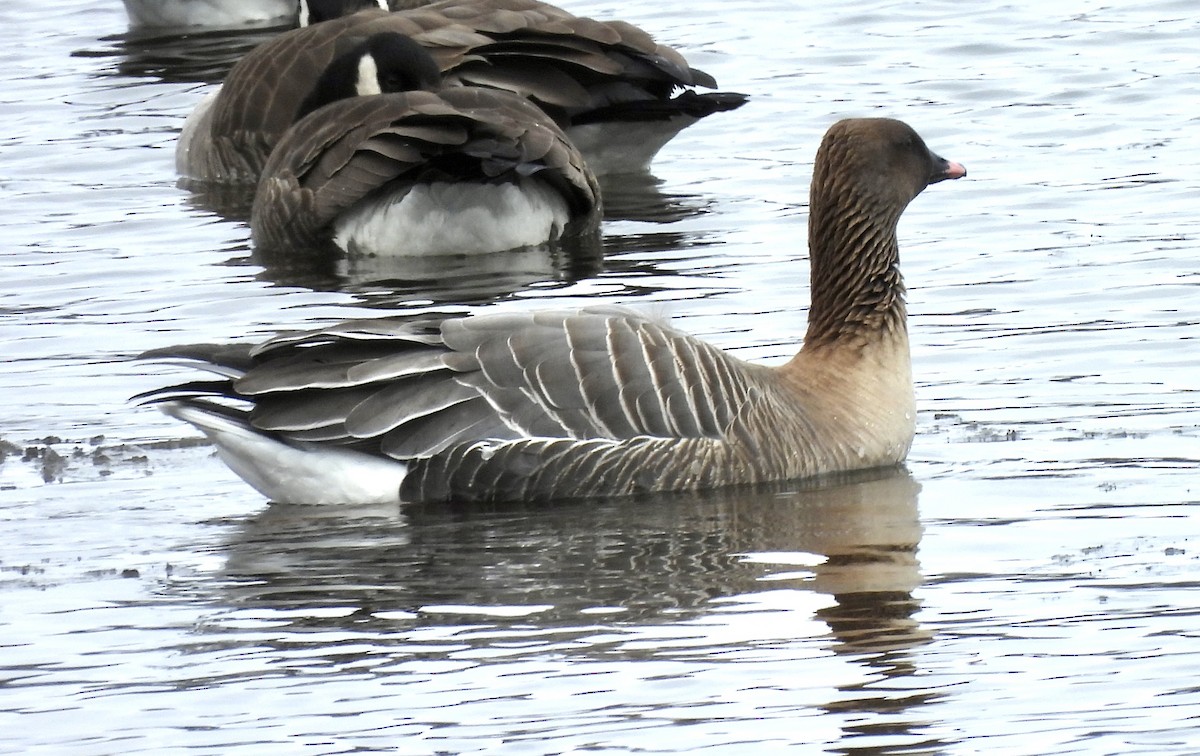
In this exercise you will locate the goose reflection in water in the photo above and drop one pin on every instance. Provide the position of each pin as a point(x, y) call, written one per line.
point(626, 255)
point(667, 581)
point(645, 198)
point(179, 55)
point(399, 282)
point(638, 560)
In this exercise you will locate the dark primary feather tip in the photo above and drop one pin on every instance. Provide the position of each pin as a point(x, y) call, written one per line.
point(190, 389)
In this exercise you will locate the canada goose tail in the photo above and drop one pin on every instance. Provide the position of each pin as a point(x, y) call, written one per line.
point(687, 103)
point(625, 137)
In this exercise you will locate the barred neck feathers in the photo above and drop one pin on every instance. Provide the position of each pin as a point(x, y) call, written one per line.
point(866, 173)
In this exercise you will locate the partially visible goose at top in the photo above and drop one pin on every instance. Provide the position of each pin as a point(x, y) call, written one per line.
point(230, 14)
point(213, 14)
point(462, 170)
point(619, 95)
point(600, 401)
point(315, 11)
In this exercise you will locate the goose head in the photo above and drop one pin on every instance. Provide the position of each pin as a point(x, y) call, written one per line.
point(384, 62)
point(867, 171)
point(875, 166)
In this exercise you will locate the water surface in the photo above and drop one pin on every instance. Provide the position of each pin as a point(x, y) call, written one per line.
point(1026, 585)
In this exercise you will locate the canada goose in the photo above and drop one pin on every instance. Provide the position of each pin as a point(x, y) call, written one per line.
point(462, 170)
point(213, 14)
point(600, 401)
point(615, 91)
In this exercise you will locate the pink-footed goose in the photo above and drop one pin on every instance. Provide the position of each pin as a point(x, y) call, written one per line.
point(435, 171)
point(600, 401)
point(619, 95)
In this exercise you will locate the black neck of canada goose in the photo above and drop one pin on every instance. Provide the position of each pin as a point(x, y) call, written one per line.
point(866, 172)
point(316, 11)
point(384, 62)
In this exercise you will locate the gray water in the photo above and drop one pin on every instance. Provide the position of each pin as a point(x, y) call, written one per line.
point(1027, 586)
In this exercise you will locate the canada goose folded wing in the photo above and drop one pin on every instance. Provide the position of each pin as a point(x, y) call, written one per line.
point(570, 64)
point(380, 147)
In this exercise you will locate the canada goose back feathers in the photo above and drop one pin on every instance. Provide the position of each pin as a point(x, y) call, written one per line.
point(580, 71)
point(352, 162)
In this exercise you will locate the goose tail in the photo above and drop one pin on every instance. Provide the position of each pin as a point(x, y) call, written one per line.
point(287, 471)
point(687, 103)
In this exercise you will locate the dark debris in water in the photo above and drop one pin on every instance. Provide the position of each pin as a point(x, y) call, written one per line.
point(57, 460)
point(975, 432)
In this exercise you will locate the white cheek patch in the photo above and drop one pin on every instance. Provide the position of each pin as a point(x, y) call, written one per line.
point(368, 77)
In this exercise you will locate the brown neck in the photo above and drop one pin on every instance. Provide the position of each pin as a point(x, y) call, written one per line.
point(857, 290)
